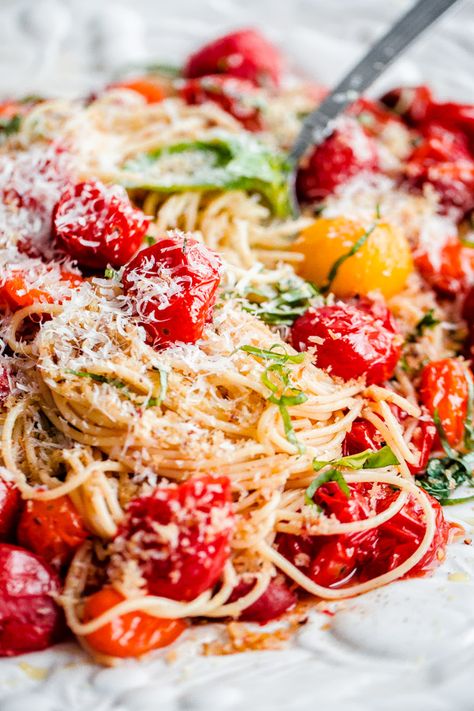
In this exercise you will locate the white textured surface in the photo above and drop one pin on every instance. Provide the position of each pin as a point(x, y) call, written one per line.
point(409, 646)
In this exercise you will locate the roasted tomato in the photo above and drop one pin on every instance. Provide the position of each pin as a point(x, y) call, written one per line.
point(444, 389)
point(30, 619)
point(449, 268)
point(150, 89)
point(347, 152)
point(129, 635)
point(15, 293)
point(180, 536)
point(173, 288)
point(410, 103)
point(382, 262)
point(342, 559)
point(98, 226)
point(348, 342)
point(10, 504)
point(52, 529)
point(238, 97)
point(360, 437)
point(274, 602)
point(245, 54)
point(373, 117)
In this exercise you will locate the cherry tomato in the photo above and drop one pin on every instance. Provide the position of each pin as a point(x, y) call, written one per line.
point(239, 97)
point(274, 602)
point(53, 529)
point(360, 437)
point(411, 103)
point(444, 388)
point(348, 342)
point(373, 116)
point(423, 440)
point(150, 89)
point(30, 619)
point(347, 152)
point(173, 288)
point(180, 536)
point(129, 635)
point(448, 269)
point(245, 54)
point(15, 293)
point(454, 115)
point(98, 226)
point(10, 504)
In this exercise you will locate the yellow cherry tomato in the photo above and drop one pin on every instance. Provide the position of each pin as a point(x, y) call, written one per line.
point(382, 262)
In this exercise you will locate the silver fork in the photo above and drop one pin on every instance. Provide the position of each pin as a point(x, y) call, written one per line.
point(318, 124)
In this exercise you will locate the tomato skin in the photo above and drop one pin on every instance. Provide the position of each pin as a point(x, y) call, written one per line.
point(52, 529)
point(345, 153)
point(10, 504)
point(149, 89)
point(360, 437)
point(236, 96)
point(183, 565)
point(245, 54)
point(423, 441)
point(30, 619)
point(341, 559)
point(170, 262)
point(449, 270)
point(130, 635)
point(274, 601)
point(410, 103)
point(97, 225)
point(444, 388)
point(353, 343)
point(375, 115)
point(15, 294)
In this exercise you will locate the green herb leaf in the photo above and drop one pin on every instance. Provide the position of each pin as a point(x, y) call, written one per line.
point(223, 162)
point(150, 240)
point(324, 478)
point(428, 321)
point(340, 261)
point(11, 125)
point(110, 273)
point(367, 459)
point(281, 358)
point(469, 424)
point(282, 303)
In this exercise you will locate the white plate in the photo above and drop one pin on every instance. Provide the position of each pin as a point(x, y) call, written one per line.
point(408, 646)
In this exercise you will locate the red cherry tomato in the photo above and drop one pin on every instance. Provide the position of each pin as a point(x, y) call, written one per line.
point(373, 116)
point(448, 269)
point(10, 504)
point(173, 288)
point(340, 559)
point(98, 226)
point(150, 89)
point(180, 536)
point(52, 529)
point(238, 97)
point(348, 342)
point(454, 115)
point(423, 440)
point(30, 619)
point(15, 293)
point(360, 437)
point(347, 152)
point(444, 388)
point(411, 103)
point(130, 635)
point(245, 54)
point(274, 602)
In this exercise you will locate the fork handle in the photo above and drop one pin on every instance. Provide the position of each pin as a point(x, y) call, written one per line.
point(377, 59)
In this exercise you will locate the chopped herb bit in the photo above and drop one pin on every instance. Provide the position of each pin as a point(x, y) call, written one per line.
point(273, 354)
point(163, 385)
point(428, 321)
point(98, 378)
point(150, 240)
point(344, 257)
point(11, 125)
point(324, 478)
point(378, 214)
point(368, 459)
point(283, 303)
point(110, 273)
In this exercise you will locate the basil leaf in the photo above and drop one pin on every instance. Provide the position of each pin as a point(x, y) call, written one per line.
point(11, 125)
point(443, 476)
point(273, 355)
point(340, 261)
point(426, 322)
point(324, 478)
point(223, 162)
point(368, 459)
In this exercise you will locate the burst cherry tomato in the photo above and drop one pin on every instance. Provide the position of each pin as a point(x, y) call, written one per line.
point(53, 529)
point(150, 89)
point(10, 503)
point(373, 117)
point(98, 226)
point(449, 268)
point(130, 635)
point(238, 97)
point(274, 602)
point(15, 293)
point(360, 437)
point(347, 152)
point(348, 342)
point(173, 287)
point(30, 619)
point(245, 54)
point(180, 536)
point(444, 388)
point(411, 103)
point(423, 440)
